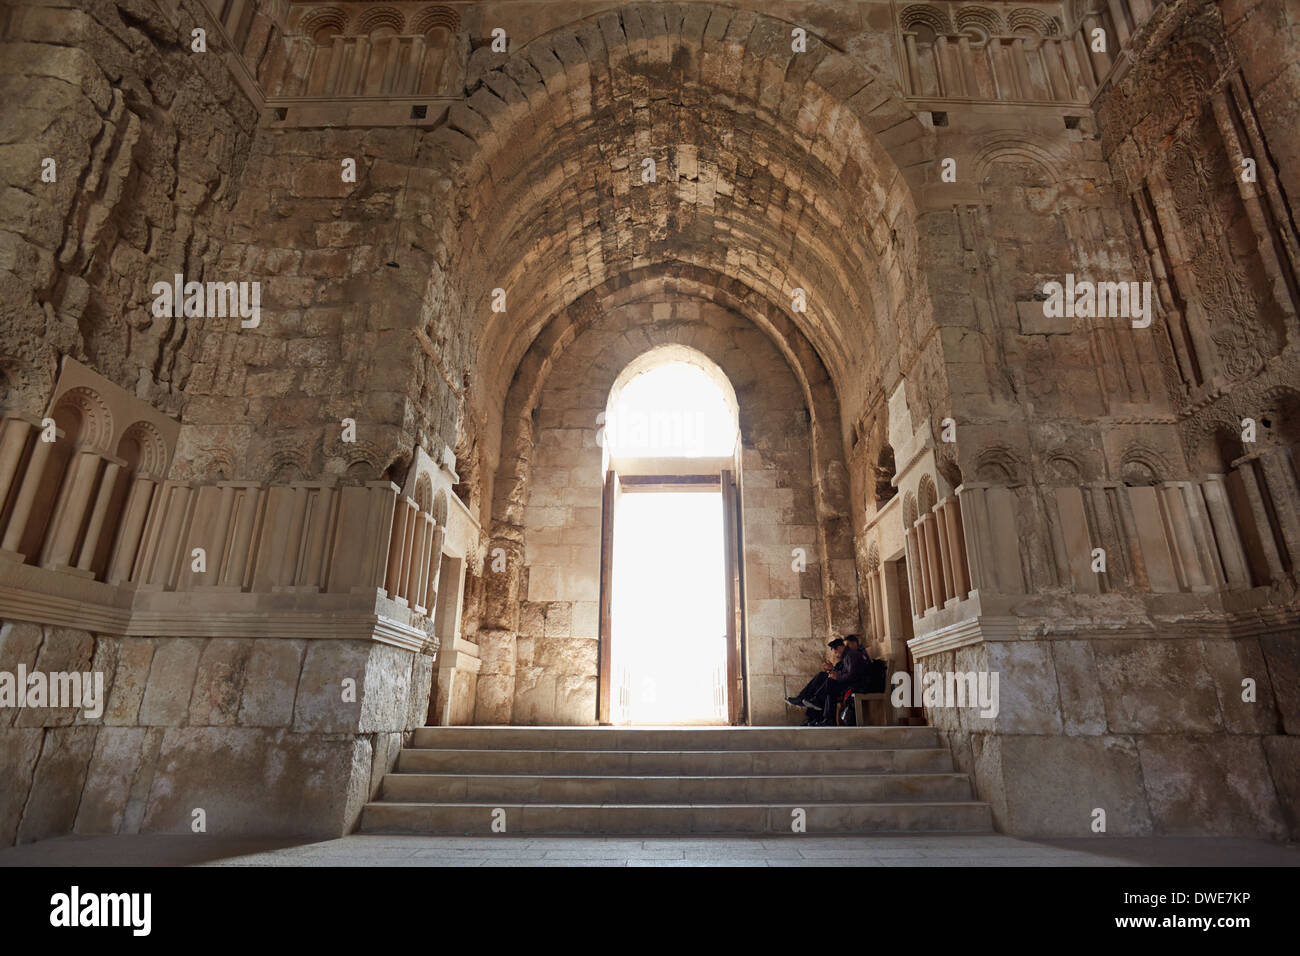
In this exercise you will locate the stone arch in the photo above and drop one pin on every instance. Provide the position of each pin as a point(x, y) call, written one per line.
point(436, 18)
point(288, 464)
point(220, 463)
point(659, 355)
point(377, 19)
point(1142, 465)
point(607, 341)
point(82, 409)
point(999, 465)
point(927, 495)
point(831, 212)
point(1063, 469)
point(424, 494)
point(145, 451)
point(824, 111)
point(360, 460)
point(529, 377)
point(1034, 22)
point(910, 513)
point(324, 23)
point(1003, 146)
point(924, 15)
point(979, 22)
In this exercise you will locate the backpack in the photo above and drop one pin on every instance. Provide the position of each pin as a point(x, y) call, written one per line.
point(874, 682)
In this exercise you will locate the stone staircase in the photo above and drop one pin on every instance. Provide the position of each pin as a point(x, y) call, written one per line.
point(608, 780)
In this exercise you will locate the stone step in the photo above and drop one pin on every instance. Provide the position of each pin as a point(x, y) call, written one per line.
point(537, 788)
point(675, 762)
point(474, 819)
point(673, 738)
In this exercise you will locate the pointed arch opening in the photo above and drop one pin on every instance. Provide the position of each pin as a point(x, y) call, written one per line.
point(670, 631)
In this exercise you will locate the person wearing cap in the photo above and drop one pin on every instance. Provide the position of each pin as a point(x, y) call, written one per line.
point(850, 674)
point(811, 696)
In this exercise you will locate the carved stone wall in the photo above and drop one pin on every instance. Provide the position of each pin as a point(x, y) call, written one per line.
point(1103, 511)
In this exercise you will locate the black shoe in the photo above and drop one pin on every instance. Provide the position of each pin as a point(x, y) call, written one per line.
point(795, 702)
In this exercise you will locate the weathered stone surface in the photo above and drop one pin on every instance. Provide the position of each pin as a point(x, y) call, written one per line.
point(166, 701)
point(423, 675)
point(332, 688)
point(1283, 756)
point(114, 765)
point(20, 643)
point(1211, 784)
point(1030, 698)
point(272, 781)
point(19, 750)
point(1083, 711)
point(129, 681)
point(883, 329)
point(1053, 784)
point(57, 783)
point(271, 683)
point(1282, 655)
point(1230, 663)
point(219, 682)
point(1153, 686)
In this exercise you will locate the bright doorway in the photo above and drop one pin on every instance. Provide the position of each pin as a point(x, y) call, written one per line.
point(671, 578)
point(669, 608)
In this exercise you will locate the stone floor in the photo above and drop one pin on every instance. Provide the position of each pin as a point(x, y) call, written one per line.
point(886, 850)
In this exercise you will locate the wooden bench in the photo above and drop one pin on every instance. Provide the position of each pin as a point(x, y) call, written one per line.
point(876, 707)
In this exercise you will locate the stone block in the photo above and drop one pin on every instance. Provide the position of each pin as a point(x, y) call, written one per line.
point(1029, 695)
point(423, 672)
point(1214, 785)
point(494, 698)
point(1282, 652)
point(575, 656)
point(534, 696)
point(781, 618)
point(1052, 784)
point(129, 681)
point(19, 750)
point(575, 699)
point(57, 783)
point(1229, 663)
point(20, 643)
point(1082, 710)
point(386, 702)
point(1283, 756)
point(166, 700)
point(63, 651)
point(1156, 686)
point(113, 768)
point(332, 687)
point(253, 781)
point(1034, 321)
point(219, 682)
point(586, 619)
point(270, 683)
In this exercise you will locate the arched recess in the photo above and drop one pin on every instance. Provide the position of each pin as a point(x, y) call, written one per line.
point(585, 361)
point(781, 172)
point(773, 172)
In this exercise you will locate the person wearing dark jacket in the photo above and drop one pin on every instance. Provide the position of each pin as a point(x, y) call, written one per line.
point(813, 689)
point(851, 674)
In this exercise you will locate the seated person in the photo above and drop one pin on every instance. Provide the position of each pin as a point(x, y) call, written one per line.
point(813, 689)
point(851, 673)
